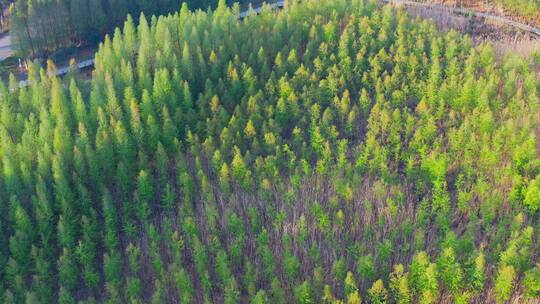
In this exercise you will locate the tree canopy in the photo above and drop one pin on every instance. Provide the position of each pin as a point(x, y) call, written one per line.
point(334, 151)
point(41, 27)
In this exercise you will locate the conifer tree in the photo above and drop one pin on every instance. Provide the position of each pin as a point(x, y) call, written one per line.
point(260, 298)
point(303, 293)
point(144, 196)
point(531, 282)
point(377, 293)
point(258, 160)
point(503, 283)
point(399, 285)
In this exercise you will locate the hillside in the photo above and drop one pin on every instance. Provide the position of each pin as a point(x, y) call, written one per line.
point(332, 152)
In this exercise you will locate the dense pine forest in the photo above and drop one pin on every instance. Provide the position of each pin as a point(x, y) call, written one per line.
point(332, 152)
point(42, 27)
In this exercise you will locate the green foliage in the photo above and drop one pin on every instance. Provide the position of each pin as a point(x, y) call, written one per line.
point(531, 282)
point(291, 156)
point(504, 283)
point(64, 297)
point(350, 284)
point(260, 298)
point(423, 278)
point(528, 8)
point(277, 294)
point(303, 293)
point(450, 271)
point(339, 269)
point(478, 276)
point(43, 27)
point(399, 286)
point(377, 293)
point(532, 195)
point(366, 267)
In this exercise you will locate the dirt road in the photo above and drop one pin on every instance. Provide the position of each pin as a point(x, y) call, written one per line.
point(5, 47)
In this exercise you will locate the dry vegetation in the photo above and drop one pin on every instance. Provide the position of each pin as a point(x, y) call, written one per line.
point(494, 7)
point(505, 39)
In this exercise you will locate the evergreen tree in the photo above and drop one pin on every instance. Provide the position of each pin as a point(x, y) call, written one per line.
point(399, 285)
point(503, 283)
point(212, 159)
point(377, 293)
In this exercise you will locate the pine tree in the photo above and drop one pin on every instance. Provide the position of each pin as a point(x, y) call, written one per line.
point(532, 195)
point(365, 267)
point(339, 269)
point(112, 267)
point(350, 284)
point(43, 277)
point(399, 285)
point(144, 196)
point(67, 270)
point(303, 293)
point(247, 149)
point(450, 270)
point(260, 298)
point(277, 294)
point(240, 171)
point(531, 282)
point(86, 251)
point(184, 285)
point(231, 292)
point(224, 179)
point(377, 293)
point(98, 18)
point(133, 287)
point(354, 298)
point(504, 283)
point(20, 242)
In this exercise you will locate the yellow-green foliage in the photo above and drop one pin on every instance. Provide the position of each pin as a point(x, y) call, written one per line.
point(334, 151)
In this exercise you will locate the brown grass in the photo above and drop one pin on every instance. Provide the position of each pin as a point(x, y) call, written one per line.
point(489, 6)
point(505, 40)
point(520, 46)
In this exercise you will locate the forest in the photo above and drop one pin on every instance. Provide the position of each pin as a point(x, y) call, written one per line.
point(331, 152)
point(42, 27)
